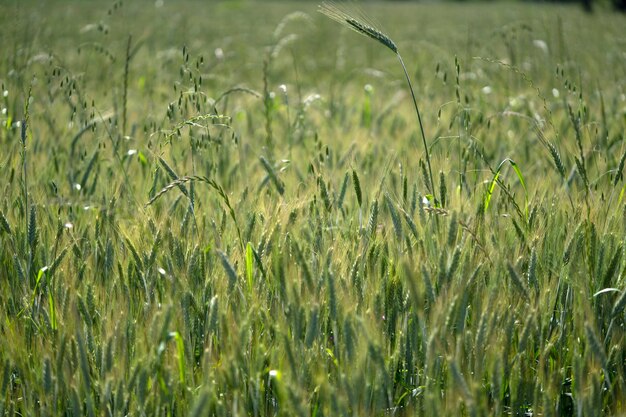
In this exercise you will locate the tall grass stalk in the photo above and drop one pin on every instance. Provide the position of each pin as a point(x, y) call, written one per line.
point(28, 214)
point(125, 86)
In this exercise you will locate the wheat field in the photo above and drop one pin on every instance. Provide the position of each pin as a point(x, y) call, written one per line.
point(231, 209)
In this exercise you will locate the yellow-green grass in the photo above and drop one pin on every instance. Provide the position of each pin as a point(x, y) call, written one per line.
point(225, 209)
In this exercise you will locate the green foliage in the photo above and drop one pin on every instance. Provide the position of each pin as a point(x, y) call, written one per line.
point(173, 242)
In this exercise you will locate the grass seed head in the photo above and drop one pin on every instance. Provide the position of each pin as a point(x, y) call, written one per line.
point(337, 14)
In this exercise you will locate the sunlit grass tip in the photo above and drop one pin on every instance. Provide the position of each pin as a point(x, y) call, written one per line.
point(334, 12)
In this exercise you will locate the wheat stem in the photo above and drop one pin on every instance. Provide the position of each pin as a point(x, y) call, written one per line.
point(419, 120)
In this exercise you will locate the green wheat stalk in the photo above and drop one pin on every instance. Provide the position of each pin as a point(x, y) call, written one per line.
point(339, 15)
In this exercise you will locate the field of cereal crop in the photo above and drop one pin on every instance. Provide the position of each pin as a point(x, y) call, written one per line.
point(226, 209)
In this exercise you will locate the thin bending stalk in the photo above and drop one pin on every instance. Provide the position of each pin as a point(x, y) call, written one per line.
point(342, 16)
point(419, 119)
